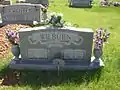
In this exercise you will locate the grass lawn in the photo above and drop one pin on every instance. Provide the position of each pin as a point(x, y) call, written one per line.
point(106, 79)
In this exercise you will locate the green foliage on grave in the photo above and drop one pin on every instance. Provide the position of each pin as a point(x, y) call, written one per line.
point(106, 79)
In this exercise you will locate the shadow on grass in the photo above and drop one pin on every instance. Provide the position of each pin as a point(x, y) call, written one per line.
point(50, 78)
point(4, 71)
point(86, 8)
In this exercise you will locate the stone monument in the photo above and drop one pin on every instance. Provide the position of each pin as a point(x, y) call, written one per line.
point(20, 1)
point(52, 48)
point(43, 2)
point(80, 3)
point(6, 2)
point(20, 14)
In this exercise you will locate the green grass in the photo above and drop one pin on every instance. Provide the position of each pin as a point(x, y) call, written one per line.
point(106, 79)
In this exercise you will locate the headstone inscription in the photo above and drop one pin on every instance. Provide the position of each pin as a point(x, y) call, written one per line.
point(43, 47)
point(20, 14)
point(80, 3)
point(5, 2)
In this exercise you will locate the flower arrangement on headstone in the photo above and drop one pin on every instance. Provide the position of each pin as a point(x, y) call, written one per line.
point(13, 38)
point(100, 37)
point(56, 20)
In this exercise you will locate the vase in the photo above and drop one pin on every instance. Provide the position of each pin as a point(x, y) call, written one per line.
point(15, 51)
point(97, 53)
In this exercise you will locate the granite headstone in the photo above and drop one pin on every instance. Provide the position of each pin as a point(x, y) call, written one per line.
point(20, 1)
point(80, 3)
point(20, 14)
point(44, 48)
point(51, 43)
point(6, 2)
point(44, 2)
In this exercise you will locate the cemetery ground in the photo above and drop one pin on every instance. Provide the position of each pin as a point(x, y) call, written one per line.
point(107, 78)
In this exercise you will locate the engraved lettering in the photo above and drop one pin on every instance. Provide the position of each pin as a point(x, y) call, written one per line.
point(38, 53)
point(74, 54)
point(56, 37)
point(53, 37)
point(20, 13)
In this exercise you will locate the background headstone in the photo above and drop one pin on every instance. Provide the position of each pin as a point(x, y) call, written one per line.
point(47, 43)
point(44, 2)
point(80, 3)
point(6, 2)
point(37, 1)
point(20, 1)
point(20, 14)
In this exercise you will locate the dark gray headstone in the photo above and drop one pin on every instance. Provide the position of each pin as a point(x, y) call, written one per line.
point(20, 14)
point(52, 43)
point(35, 1)
point(20, 1)
point(6, 2)
point(80, 3)
point(50, 48)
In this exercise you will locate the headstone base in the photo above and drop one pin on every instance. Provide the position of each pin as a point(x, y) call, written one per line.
point(49, 65)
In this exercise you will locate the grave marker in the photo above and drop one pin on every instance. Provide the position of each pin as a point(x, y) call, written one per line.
point(44, 2)
point(5, 2)
point(44, 48)
point(20, 14)
point(50, 41)
point(20, 1)
point(80, 3)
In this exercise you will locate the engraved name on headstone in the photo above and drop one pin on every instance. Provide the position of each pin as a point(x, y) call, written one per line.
point(49, 43)
point(20, 14)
